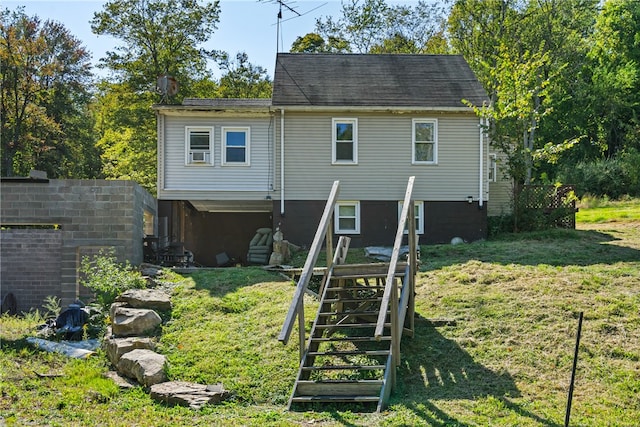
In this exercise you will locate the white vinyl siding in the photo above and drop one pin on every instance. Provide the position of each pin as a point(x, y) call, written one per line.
point(235, 146)
point(345, 141)
point(425, 141)
point(180, 181)
point(198, 145)
point(347, 218)
point(419, 215)
point(384, 158)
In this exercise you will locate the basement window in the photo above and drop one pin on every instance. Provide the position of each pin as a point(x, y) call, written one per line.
point(347, 218)
point(419, 212)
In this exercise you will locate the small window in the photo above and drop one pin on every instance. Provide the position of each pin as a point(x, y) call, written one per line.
point(347, 218)
point(199, 141)
point(493, 167)
point(345, 141)
point(425, 141)
point(235, 146)
point(419, 212)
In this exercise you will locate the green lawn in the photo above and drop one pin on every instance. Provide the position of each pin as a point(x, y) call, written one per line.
point(504, 361)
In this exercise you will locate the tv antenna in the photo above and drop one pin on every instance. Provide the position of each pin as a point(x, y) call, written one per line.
point(288, 6)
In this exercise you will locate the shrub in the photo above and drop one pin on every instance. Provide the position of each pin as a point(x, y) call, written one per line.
point(107, 278)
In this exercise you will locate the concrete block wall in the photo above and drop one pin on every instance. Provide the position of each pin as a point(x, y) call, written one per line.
point(87, 213)
point(30, 265)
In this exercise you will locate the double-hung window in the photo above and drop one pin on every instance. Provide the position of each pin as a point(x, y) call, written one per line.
point(235, 145)
point(345, 141)
point(346, 218)
point(425, 141)
point(419, 215)
point(199, 143)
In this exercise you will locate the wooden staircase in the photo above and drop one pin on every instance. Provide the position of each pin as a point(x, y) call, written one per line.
point(353, 347)
point(344, 361)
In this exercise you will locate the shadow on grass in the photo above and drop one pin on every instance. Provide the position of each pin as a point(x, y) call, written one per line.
point(435, 368)
point(555, 247)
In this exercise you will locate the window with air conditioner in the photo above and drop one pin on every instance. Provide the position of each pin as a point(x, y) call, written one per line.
point(199, 142)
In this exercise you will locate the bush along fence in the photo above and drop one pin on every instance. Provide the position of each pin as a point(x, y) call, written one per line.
point(540, 207)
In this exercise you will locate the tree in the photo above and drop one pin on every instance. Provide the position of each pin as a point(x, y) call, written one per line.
point(616, 75)
point(241, 79)
point(373, 26)
point(44, 113)
point(159, 37)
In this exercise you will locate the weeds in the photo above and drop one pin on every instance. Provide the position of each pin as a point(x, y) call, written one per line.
point(107, 278)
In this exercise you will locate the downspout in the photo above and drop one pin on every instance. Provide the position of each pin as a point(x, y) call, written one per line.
point(282, 162)
point(481, 192)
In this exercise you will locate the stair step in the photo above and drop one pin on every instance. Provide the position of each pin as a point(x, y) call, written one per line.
point(365, 275)
point(351, 325)
point(329, 399)
point(340, 388)
point(353, 339)
point(332, 300)
point(351, 313)
point(350, 353)
point(353, 288)
point(344, 368)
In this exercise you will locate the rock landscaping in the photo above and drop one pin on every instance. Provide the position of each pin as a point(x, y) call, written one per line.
point(130, 345)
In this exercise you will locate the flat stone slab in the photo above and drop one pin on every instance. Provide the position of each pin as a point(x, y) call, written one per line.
point(128, 322)
point(188, 394)
point(145, 366)
point(153, 299)
point(122, 382)
point(116, 347)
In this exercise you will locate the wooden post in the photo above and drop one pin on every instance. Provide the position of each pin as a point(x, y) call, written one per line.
point(413, 265)
point(301, 334)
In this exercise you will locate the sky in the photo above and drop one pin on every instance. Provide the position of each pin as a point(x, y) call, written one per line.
point(245, 25)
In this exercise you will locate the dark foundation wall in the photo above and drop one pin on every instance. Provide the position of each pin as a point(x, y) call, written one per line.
point(208, 234)
point(379, 220)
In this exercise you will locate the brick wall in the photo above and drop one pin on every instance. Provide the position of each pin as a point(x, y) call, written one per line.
point(89, 214)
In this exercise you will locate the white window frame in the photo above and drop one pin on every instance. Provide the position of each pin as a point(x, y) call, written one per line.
point(493, 168)
point(419, 216)
point(189, 153)
point(337, 217)
point(414, 161)
point(334, 141)
point(247, 145)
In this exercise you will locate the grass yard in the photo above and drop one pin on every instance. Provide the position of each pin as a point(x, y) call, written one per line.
point(504, 361)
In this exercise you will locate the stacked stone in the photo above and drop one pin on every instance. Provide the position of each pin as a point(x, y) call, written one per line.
point(129, 343)
point(130, 346)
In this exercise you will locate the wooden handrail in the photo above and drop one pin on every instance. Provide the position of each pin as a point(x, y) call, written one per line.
point(407, 208)
point(307, 270)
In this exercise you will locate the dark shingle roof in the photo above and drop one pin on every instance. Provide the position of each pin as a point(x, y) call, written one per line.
point(362, 80)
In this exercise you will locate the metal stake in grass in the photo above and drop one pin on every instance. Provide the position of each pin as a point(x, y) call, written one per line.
point(573, 372)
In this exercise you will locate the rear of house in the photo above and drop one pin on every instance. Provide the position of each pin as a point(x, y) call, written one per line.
point(230, 167)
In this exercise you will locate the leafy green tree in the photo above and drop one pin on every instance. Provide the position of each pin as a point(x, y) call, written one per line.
point(159, 37)
point(373, 26)
point(616, 75)
point(44, 113)
point(241, 79)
